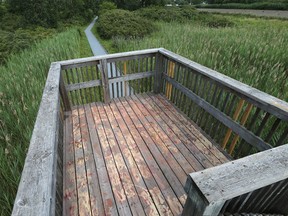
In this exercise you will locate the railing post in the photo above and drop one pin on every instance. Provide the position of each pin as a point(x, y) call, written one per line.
point(104, 78)
point(158, 73)
point(197, 204)
point(64, 94)
point(257, 181)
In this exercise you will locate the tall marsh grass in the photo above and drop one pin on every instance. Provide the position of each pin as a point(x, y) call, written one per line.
point(254, 51)
point(21, 85)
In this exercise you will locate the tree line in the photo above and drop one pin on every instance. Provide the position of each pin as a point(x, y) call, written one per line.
point(48, 13)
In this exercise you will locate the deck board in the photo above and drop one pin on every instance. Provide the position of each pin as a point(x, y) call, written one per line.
point(131, 157)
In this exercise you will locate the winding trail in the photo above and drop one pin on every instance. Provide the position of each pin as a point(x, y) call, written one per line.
point(98, 50)
point(95, 45)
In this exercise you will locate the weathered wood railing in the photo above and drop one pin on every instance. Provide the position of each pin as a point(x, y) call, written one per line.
point(103, 78)
point(40, 189)
point(253, 184)
point(71, 83)
point(239, 118)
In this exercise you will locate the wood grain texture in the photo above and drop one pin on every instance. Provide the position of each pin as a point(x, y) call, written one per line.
point(138, 75)
point(250, 184)
point(83, 85)
point(222, 117)
point(104, 80)
point(70, 197)
point(64, 94)
point(263, 100)
point(249, 174)
point(73, 63)
point(159, 69)
point(37, 189)
point(84, 205)
point(140, 157)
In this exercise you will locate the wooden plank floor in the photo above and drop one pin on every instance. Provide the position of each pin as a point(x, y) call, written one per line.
point(131, 157)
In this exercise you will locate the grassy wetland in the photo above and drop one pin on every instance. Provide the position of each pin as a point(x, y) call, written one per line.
point(251, 50)
point(22, 81)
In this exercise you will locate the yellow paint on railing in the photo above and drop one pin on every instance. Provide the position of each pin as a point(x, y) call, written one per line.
point(235, 117)
point(243, 121)
point(171, 71)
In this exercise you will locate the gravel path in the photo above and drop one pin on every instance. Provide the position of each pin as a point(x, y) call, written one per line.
point(265, 13)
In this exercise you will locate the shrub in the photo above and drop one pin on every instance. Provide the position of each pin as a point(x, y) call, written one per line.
point(189, 12)
point(16, 41)
point(121, 23)
point(183, 14)
point(13, 43)
point(106, 6)
point(11, 22)
point(215, 21)
point(161, 13)
point(3, 10)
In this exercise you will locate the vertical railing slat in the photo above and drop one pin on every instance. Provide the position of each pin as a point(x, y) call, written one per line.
point(105, 84)
point(64, 94)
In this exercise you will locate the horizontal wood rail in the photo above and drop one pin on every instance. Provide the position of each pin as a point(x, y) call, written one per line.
point(102, 78)
point(257, 183)
point(220, 116)
point(40, 188)
point(240, 118)
point(265, 101)
point(77, 63)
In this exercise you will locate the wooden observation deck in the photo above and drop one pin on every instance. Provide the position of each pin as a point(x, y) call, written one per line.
point(152, 133)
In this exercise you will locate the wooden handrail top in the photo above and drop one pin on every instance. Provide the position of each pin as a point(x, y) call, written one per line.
point(262, 99)
point(108, 56)
point(37, 187)
point(265, 101)
point(241, 176)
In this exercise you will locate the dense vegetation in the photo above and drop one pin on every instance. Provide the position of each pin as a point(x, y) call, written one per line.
point(30, 40)
point(122, 23)
point(23, 22)
point(49, 13)
point(22, 81)
point(251, 50)
point(137, 24)
point(182, 15)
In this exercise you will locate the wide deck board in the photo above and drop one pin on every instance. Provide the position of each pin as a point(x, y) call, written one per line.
point(131, 157)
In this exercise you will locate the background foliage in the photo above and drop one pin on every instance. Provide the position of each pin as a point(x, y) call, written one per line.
point(122, 23)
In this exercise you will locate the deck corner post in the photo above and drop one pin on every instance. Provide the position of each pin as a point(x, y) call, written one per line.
point(104, 76)
point(64, 94)
point(197, 203)
point(158, 73)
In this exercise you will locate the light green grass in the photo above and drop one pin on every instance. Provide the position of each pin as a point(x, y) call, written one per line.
point(85, 49)
point(254, 51)
point(21, 85)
